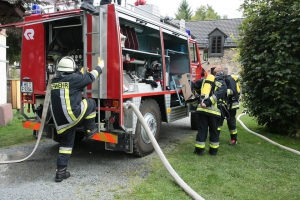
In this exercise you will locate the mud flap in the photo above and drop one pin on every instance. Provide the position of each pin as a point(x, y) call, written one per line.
point(124, 144)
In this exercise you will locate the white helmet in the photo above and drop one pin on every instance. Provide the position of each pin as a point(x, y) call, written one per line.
point(66, 64)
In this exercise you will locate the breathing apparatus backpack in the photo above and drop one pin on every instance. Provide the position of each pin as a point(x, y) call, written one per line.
point(238, 89)
point(207, 86)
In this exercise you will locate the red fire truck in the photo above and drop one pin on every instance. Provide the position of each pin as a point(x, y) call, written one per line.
point(135, 47)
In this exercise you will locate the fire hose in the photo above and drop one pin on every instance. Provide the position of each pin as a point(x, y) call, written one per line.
point(128, 104)
point(265, 138)
point(44, 114)
point(177, 178)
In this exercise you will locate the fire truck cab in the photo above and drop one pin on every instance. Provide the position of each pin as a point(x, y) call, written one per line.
point(145, 60)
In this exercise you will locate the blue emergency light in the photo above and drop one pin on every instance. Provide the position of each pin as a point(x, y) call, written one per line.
point(36, 9)
point(188, 32)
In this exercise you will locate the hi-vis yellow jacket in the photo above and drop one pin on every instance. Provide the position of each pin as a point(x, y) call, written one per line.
point(233, 92)
point(217, 93)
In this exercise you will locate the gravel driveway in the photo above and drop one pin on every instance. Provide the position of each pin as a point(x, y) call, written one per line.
point(95, 172)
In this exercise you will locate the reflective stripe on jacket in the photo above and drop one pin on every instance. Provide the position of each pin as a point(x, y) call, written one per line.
point(67, 105)
point(232, 93)
point(219, 92)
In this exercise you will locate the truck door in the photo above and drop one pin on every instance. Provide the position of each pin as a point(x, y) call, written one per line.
point(197, 70)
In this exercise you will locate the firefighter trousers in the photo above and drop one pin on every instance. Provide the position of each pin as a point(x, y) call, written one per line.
point(231, 124)
point(207, 123)
point(68, 136)
point(66, 147)
point(88, 120)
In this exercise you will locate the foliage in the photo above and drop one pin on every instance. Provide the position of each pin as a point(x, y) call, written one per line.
point(14, 41)
point(269, 52)
point(184, 11)
point(206, 13)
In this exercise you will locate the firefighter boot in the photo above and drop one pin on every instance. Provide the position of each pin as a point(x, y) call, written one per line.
point(90, 127)
point(233, 139)
point(199, 151)
point(61, 173)
point(90, 133)
point(87, 5)
point(213, 151)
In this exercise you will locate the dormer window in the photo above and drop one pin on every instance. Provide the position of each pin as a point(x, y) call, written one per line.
point(216, 43)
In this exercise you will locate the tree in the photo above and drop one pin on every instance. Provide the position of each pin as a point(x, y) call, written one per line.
point(205, 13)
point(269, 53)
point(14, 38)
point(14, 41)
point(9, 15)
point(184, 11)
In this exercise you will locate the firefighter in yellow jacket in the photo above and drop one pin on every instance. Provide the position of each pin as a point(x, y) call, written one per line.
point(69, 109)
point(212, 89)
point(232, 98)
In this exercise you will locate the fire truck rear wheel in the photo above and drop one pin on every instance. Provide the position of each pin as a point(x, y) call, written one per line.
point(151, 112)
point(194, 120)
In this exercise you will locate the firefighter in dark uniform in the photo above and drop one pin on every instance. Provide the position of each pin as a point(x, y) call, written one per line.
point(232, 100)
point(209, 113)
point(69, 109)
point(88, 5)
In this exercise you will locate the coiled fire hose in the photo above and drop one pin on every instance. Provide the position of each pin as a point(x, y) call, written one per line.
point(265, 138)
point(44, 114)
point(177, 178)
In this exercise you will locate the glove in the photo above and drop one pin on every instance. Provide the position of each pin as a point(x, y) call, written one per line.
point(193, 98)
point(207, 102)
point(220, 76)
point(152, 83)
point(100, 63)
point(229, 92)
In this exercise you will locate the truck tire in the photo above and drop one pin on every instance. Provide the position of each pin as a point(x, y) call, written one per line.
point(142, 145)
point(194, 120)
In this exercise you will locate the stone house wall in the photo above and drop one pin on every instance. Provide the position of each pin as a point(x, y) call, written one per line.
point(226, 61)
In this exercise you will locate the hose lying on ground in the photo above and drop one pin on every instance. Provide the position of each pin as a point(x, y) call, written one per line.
point(44, 114)
point(265, 138)
point(177, 178)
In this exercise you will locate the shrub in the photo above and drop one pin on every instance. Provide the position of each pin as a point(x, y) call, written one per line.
point(269, 53)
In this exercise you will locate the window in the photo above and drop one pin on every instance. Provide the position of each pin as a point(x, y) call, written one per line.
point(193, 54)
point(216, 43)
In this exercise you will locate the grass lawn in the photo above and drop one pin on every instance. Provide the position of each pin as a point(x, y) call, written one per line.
point(253, 169)
point(14, 133)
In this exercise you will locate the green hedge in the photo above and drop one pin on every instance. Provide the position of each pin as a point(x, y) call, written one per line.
point(270, 53)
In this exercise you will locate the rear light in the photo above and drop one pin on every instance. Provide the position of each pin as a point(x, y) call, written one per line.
point(27, 96)
point(111, 103)
point(112, 120)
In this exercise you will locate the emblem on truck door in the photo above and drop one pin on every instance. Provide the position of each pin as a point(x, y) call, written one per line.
point(28, 34)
